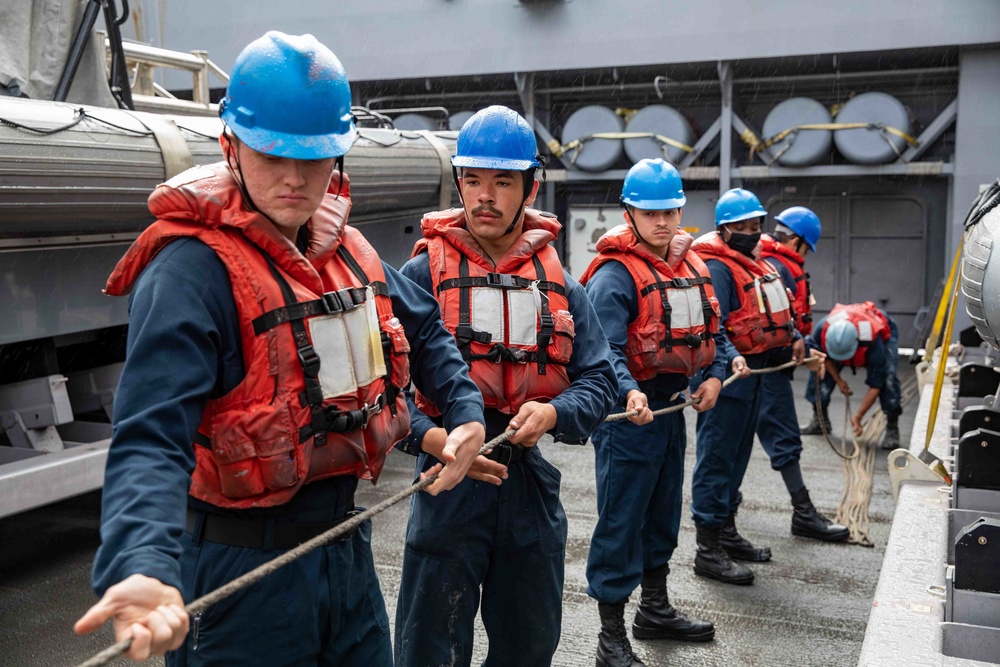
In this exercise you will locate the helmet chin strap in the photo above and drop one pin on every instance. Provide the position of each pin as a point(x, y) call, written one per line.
point(635, 227)
point(232, 155)
point(528, 178)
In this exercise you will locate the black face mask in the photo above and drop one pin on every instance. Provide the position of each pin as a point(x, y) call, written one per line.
point(744, 243)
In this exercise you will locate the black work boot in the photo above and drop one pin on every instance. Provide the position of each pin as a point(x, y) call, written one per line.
point(656, 618)
point(808, 522)
point(739, 547)
point(891, 439)
point(613, 648)
point(713, 562)
point(814, 427)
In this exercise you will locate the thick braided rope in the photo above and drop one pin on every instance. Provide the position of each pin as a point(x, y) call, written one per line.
point(253, 576)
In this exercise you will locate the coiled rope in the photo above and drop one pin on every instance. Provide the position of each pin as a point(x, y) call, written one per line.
point(253, 576)
point(859, 467)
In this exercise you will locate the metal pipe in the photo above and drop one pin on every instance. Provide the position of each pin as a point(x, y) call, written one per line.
point(705, 83)
point(848, 76)
point(163, 57)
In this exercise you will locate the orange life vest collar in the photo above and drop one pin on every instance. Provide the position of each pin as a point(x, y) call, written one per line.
point(871, 323)
point(511, 321)
point(677, 312)
point(764, 318)
point(281, 427)
point(795, 263)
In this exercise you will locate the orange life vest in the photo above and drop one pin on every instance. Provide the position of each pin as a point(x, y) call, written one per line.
point(511, 321)
point(322, 350)
point(870, 322)
point(764, 318)
point(802, 301)
point(677, 309)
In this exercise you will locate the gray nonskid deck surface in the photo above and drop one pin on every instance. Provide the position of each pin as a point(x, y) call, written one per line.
point(808, 606)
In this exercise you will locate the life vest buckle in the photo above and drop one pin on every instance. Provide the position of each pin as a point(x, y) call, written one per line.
point(500, 280)
point(310, 360)
point(681, 282)
point(692, 340)
point(372, 409)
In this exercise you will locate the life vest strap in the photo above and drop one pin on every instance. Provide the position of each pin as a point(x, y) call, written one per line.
point(330, 303)
point(500, 281)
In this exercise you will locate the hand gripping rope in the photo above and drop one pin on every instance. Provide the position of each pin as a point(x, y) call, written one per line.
point(241, 582)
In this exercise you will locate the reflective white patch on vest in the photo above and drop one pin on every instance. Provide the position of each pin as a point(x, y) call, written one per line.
point(344, 343)
point(836, 317)
point(685, 308)
point(523, 317)
point(374, 332)
point(776, 295)
point(865, 333)
point(487, 311)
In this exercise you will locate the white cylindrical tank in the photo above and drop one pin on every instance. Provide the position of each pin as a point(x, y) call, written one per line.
point(596, 154)
point(458, 119)
point(870, 145)
point(415, 121)
point(805, 147)
point(980, 269)
point(664, 121)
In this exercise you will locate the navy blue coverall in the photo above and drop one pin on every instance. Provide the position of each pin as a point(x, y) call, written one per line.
point(184, 347)
point(725, 433)
point(640, 469)
point(511, 539)
point(881, 362)
point(778, 425)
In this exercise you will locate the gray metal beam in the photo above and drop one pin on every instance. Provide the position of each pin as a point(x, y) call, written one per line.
point(703, 142)
point(725, 125)
point(45, 479)
point(526, 91)
point(932, 133)
point(762, 172)
point(745, 129)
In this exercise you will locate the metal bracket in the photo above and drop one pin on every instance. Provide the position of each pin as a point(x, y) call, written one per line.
point(931, 134)
point(702, 144)
point(742, 127)
point(525, 84)
point(905, 466)
point(45, 439)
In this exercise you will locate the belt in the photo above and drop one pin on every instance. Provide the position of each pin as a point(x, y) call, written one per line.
point(506, 453)
point(265, 534)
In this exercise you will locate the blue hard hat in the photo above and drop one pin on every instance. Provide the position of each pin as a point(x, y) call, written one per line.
point(803, 222)
point(653, 185)
point(841, 340)
point(288, 96)
point(496, 138)
point(737, 204)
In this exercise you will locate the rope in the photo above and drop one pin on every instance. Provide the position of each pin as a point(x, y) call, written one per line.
point(255, 575)
point(560, 149)
point(694, 401)
point(757, 145)
point(859, 468)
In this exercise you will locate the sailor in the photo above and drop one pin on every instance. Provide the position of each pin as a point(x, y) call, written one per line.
point(654, 299)
point(797, 233)
point(267, 351)
point(538, 354)
point(756, 315)
point(859, 335)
